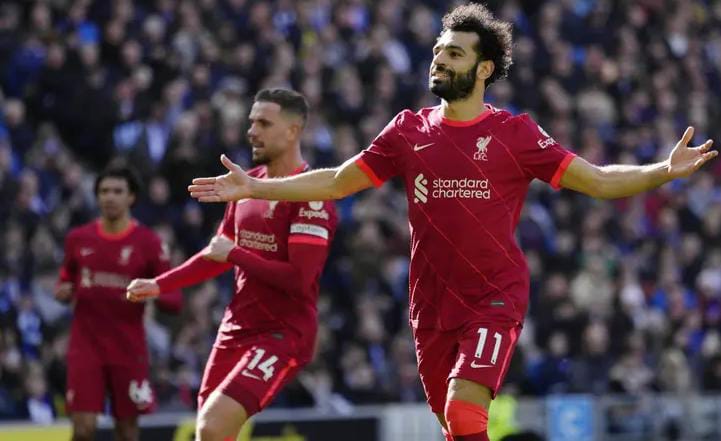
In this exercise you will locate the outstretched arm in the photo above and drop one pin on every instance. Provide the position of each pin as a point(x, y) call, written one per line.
point(618, 181)
point(317, 185)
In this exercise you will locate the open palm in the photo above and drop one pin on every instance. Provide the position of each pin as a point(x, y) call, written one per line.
point(232, 186)
point(685, 160)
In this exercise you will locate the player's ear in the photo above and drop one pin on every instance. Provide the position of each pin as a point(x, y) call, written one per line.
point(294, 130)
point(485, 70)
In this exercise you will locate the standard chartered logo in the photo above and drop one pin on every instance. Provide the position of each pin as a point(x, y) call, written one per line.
point(421, 191)
point(450, 189)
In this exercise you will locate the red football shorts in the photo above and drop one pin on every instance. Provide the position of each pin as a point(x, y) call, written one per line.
point(251, 372)
point(478, 352)
point(129, 387)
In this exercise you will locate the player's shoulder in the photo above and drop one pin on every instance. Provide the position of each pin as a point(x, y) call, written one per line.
point(505, 120)
point(324, 211)
point(507, 125)
point(144, 232)
point(408, 120)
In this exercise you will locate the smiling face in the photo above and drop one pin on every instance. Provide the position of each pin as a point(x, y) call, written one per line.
point(271, 131)
point(456, 68)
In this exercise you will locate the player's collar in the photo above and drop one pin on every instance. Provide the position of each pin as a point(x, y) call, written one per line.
point(300, 169)
point(455, 123)
point(115, 236)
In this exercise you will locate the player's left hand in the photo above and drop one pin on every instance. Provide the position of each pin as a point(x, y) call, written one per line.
point(685, 160)
point(218, 249)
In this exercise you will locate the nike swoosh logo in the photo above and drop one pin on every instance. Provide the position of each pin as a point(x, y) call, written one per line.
point(476, 366)
point(421, 147)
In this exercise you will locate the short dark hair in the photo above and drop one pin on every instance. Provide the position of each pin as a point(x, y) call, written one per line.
point(121, 172)
point(495, 37)
point(289, 101)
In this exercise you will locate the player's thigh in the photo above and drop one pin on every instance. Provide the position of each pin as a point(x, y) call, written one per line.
point(85, 386)
point(131, 393)
point(220, 363)
point(436, 353)
point(221, 417)
point(264, 368)
point(484, 354)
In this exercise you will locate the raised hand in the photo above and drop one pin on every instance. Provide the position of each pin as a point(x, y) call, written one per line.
point(685, 160)
point(140, 290)
point(232, 186)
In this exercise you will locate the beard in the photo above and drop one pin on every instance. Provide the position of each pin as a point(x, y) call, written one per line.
point(260, 158)
point(456, 86)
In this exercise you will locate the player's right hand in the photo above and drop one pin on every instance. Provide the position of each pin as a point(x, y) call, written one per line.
point(232, 186)
point(63, 292)
point(140, 290)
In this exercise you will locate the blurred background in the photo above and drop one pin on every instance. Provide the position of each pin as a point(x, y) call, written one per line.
point(625, 295)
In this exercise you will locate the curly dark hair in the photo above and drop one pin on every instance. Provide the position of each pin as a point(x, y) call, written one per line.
point(495, 37)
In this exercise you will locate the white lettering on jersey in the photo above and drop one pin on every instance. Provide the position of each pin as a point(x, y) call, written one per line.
point(312, 214)
point(256, 240)
point(451, 189)
point(545, 143)
point(312, 230)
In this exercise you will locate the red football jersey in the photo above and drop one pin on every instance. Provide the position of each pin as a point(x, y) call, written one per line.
point(100, 266)
point(466, 183)
point(268, 229)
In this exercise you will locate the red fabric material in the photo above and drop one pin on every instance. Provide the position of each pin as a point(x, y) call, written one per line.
point(464, 182)
point(455, 123)
point(100, 269)
point(232, 371)
point(483, 436)
point(377, 182)
point(116, 236)
point(556, 180)
point(192, 271)
point(465, 418)
point(305, 262)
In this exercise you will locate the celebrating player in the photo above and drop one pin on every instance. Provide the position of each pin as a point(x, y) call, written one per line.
point(467, 167)
point(107, 349)
point(278, 250)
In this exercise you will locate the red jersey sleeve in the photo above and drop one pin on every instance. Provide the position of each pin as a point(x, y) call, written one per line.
point(381, 160)
point(197, 269)
point(312, 227)
point(69, 268)
point(227, 225)
point(538, 153)
point(159, 263)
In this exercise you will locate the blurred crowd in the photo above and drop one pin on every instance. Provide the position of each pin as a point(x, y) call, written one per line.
point(626, 295)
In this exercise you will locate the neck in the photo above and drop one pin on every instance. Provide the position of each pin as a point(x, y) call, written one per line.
point(466, 109)
point(114, 226)
point(286, 164)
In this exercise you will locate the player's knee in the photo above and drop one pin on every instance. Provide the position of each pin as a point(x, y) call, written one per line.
point(126, 432)
point(208, 430)
point(464, 418)
point(83, 432)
